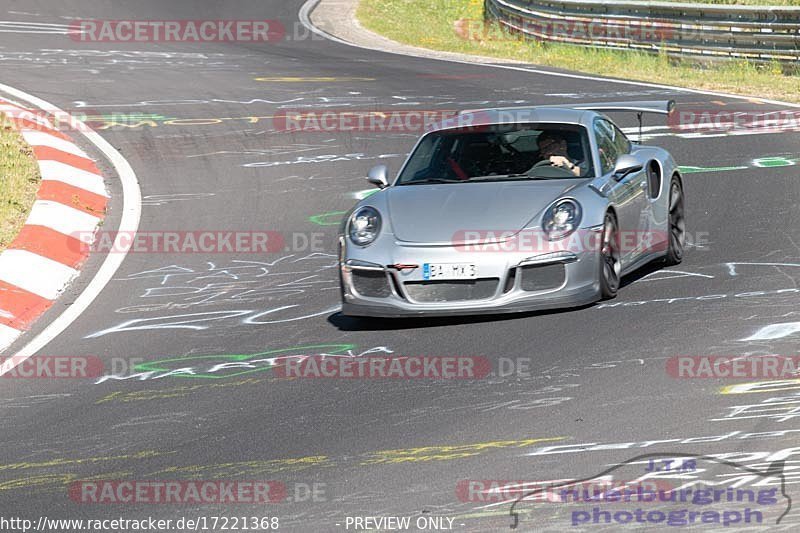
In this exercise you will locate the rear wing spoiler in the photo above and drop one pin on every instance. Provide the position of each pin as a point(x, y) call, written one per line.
point(660, 107)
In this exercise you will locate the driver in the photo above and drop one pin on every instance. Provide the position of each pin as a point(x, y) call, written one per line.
point(553, 147)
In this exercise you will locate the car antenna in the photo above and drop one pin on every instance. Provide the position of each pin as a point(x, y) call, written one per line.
point(639, 115)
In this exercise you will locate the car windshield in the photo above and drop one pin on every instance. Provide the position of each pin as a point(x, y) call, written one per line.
point(500, 153)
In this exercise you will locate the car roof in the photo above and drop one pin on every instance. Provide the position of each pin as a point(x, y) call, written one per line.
point(515, 115)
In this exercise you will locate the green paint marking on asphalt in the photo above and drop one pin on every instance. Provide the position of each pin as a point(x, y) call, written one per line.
point(778, 161)
point(111, 118)
point(360, 195)
point(217, 361)
point(761, 162)
point(695, 170)
point(332, 218)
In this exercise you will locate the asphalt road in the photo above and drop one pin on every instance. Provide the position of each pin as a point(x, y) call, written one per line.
point(373, 447)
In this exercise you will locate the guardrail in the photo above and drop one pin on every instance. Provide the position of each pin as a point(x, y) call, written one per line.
point(759, 33)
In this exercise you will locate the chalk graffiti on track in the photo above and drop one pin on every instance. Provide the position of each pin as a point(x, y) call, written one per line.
point(227, 366)
point(278, 287)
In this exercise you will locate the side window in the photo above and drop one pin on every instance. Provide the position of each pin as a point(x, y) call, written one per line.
point(604, 134)
point(621, 141)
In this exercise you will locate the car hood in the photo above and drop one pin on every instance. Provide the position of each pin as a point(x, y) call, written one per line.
point(439, 214)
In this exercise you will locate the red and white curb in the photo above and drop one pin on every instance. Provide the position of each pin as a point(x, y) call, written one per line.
point(46, 255)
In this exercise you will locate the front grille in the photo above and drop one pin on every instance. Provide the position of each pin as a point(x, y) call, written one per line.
point(451, 291)
point(372, 284)
point(542, 277)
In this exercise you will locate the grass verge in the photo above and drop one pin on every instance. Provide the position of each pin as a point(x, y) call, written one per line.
point(19, 181)
point(432, 24)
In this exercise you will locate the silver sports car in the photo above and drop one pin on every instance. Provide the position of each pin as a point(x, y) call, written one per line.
point(513, 209)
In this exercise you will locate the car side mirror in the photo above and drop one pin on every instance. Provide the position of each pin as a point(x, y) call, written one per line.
point(377, 176)
point(626, 165)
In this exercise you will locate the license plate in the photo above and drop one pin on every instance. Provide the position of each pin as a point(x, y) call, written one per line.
point(432, 271)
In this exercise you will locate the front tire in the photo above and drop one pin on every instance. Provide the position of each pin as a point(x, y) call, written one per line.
point(610, 264)
point(676, 224)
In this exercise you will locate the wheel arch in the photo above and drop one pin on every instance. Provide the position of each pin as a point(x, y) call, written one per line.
point(677, 174)
point(613, 210)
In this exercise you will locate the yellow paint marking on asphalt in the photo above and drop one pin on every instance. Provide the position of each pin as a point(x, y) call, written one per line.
point(245, 468)
point(761, 386)
point(214, 121)
point(446, 453)
point(175, 392)
point(37, 481)
point(199, 121)
point(55, 482)
point(315, 79)
point(343, 114)
point(146, 454)
point(253, 468)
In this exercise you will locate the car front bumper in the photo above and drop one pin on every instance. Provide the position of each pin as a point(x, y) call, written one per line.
point(507, 284)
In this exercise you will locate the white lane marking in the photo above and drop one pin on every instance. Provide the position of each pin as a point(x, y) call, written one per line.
point(34, 273)
point(671, 274)
point(252, 320)
point(732, 266)
point(129, 224)
point(40, 138)
point(58, 171)
point(774, 331)
point(14, 26)
point(62, 218)
point(305, 20)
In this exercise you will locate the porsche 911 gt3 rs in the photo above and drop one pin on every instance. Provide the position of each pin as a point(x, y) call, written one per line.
point(513, 209)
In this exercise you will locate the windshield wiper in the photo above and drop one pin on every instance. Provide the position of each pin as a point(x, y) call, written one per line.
point(479, 178)
point(507, 176)
point(431, 180)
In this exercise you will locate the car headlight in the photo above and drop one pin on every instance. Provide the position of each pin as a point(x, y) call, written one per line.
point(561, 219)
point(365, 224)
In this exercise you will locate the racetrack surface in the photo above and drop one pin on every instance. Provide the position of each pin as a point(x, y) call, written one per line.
point(380, 447)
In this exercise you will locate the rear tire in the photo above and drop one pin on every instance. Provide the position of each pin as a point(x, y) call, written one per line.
point(676, 224)
point(610, 265)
